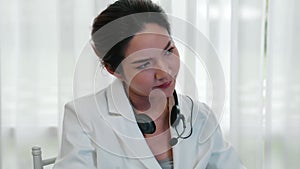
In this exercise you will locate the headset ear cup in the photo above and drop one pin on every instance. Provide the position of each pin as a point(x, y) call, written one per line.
point(175, 113)
point(145, 123)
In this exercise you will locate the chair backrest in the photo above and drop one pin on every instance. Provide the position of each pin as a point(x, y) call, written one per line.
point(38, 162)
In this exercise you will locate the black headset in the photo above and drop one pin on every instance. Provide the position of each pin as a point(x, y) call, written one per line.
point(147, 125)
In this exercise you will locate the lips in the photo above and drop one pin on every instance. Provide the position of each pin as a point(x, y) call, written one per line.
point(164, 85)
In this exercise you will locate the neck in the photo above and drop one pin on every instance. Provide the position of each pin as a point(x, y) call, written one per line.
point(140, 103)
point(156, 106)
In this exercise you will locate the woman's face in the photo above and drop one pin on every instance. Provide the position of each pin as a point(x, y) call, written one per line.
point(151, 62)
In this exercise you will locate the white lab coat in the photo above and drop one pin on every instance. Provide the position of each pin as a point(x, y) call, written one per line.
point(99, 131)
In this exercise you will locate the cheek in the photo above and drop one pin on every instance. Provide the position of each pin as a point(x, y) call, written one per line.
point(142, 83)
point(143, 79)
point(175, 63)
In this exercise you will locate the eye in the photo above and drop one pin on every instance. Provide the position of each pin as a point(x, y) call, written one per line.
point(143, 66)
point(169, 51)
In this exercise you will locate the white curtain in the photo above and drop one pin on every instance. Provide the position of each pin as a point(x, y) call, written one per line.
point(247, 78)
point(44, 44)
point(41, 41)
point(29, 81)
point(283, 85)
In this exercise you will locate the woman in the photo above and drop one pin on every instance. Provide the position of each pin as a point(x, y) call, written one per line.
point(139, 121)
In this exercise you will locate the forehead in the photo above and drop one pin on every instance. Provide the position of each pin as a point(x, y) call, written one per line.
point(152, 36)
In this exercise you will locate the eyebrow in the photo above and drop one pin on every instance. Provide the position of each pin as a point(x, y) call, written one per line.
point(145, 60)
point(141, 61)
point(168, 45)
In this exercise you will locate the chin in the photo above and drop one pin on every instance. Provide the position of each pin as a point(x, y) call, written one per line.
point(169, 92)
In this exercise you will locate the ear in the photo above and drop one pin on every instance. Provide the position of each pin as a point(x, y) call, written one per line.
point(112, 72)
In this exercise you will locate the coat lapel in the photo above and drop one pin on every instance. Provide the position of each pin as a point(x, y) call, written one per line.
point(182, 150)
point(187, 150)
point(122, 120)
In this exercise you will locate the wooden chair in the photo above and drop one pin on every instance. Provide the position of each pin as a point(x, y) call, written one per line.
point(38, 162)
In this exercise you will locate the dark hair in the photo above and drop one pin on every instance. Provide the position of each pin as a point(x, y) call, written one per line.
point(110, 39)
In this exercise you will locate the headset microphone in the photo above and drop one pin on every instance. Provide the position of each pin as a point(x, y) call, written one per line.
point(174, 140)
point(147, 125)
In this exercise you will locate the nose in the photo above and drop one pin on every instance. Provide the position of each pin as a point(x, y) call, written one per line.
point(162, 70)
point(160, 75)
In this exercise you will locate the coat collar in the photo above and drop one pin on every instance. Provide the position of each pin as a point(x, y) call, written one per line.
point(118, 102)
point(122, 120)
